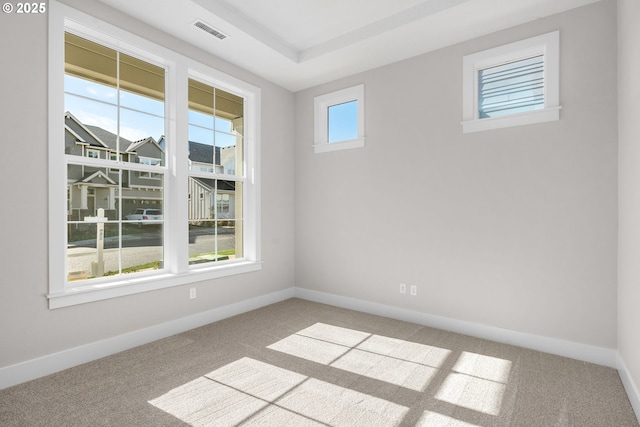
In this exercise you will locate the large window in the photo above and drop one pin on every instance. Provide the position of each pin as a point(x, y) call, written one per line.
point(215, 174)
point(511, 85)
point(114, 103)
point(144, 141)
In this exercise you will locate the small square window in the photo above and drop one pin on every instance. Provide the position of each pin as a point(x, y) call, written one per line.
point(512, 85)
point(339, 120)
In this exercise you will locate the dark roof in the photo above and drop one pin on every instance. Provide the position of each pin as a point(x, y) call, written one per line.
point(203, 153)
point(198, 152)
point(109, 138)
point(94, 135)
point(222, 185)
point(81, 131)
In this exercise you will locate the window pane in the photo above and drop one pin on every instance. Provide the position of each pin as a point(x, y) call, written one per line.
point(143, 204)
point(90, 61)
point(99, 243)
point(213, 241)
point(89, 89)
point(89, 124)
point(215, 130)
point(143, 79)
point(89, 189)
point(200, 119)
point(343, 121)
point(204, 157)
point(83, 257)
point(215, 213)
point(142, 132)
point(115, 100)
point(141, 250)
point(139, 102)
point(511, 88)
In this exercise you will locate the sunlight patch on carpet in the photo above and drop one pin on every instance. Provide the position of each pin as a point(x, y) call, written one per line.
point(399, 362)
point(477, 382)
point(250, 392)
point(434, 419)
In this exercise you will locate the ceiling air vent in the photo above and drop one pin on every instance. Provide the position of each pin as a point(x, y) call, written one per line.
point(210, 30)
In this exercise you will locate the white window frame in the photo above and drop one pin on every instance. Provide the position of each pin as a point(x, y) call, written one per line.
point(90, 151)
point(321, 105)
point(150, 161)
point(547, 45)
point(176, 269)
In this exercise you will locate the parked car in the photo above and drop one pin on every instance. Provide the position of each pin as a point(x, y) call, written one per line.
point(144, 215)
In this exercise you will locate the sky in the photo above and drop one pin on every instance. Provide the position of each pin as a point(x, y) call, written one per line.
point(140, 117)
point(343, 121)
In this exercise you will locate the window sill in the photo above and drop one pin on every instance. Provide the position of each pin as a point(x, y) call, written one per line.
point(325, 147)
point(96, 292)
point(530, 117)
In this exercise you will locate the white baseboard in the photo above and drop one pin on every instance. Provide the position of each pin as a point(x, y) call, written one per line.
point(574, 350)
point(49, 364)
point(630, 386)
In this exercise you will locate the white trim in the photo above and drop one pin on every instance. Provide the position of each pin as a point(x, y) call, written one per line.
point(574, 350)
point(51, 363)
point(545, 44)
point(341, 145)
point(526, 118)
point(57, 190)
point(633, 392)
point(321, 106)
point(101, 289)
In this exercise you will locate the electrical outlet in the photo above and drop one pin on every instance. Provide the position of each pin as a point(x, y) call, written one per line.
point(192, 293)
point(414, 290)
point(403, 288)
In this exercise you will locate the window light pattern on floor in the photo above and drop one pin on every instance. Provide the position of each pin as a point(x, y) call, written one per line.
point(477, 382)
point(395, 361)
point(250, 392)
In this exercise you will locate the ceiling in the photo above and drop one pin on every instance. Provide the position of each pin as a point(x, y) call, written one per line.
point(302, 43)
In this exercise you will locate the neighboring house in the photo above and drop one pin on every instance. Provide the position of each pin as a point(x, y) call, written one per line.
point(204, 201)
point(91, 188)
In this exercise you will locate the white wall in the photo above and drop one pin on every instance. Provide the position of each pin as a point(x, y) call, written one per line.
point(629, 193)
point(513, 228)
point(28, 329)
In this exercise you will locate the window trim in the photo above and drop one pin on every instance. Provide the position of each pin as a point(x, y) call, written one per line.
point(176, 269)
point(547, 45)
point(321, 106)
point(149, 161)
point(90, 151)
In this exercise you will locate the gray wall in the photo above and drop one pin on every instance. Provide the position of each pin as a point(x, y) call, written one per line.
point(28, 329)
point(513, 228)
point(629, 191)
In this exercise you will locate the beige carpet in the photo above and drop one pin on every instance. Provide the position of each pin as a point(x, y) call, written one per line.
point(299, 363)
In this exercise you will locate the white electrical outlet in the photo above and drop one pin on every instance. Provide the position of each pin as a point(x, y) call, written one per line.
point(403, 288)
point(414, 290)
point(192, 293)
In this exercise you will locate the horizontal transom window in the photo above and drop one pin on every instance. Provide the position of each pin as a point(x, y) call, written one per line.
point(512, 85)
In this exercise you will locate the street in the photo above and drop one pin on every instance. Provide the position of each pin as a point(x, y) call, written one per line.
point(142, 248)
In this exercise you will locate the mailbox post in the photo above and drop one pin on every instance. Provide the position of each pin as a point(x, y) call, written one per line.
point(97, 266)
